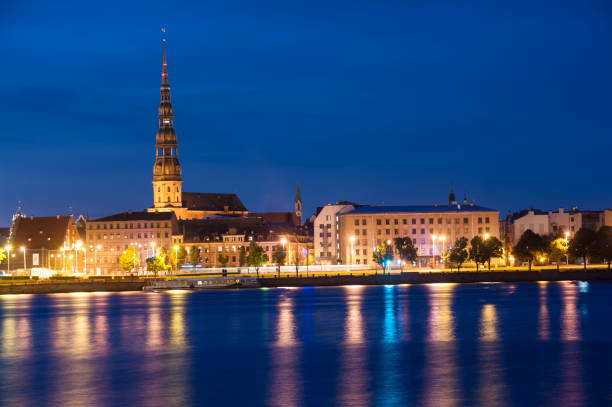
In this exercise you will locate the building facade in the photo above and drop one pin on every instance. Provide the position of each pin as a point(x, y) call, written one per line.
point(433, 229)
point(110, 236)
point(326, 231)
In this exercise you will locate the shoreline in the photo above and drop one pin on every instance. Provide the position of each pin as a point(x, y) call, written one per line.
point(464, 277)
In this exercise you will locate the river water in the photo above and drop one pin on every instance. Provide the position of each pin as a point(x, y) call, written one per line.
point(527, 344)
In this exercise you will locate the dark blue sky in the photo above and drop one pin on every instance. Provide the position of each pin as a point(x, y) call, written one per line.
point(366, 101)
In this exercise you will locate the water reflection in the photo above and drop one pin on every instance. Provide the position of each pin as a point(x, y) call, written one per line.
point(492, 389)
point(572, 391)
point(285, 386)
point(16, 348)
point(543, 318)
point(353, 378)
point(441, 387)
point(154, 323)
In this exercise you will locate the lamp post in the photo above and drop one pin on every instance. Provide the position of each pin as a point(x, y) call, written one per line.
point(567, 234)
point(8, 256)
point(352, 239)
point(175, 258)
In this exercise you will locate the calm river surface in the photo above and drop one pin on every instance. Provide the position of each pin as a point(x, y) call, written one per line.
point(527, 344)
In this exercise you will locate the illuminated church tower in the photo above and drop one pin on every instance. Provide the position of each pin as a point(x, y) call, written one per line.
point(167, 179)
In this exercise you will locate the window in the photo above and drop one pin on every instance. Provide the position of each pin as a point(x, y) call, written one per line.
point(356, 232)
point(386, 221)
point(456, 221)
point(396, 231)
point(364, 232)
point(320, 234)
point(395, 221)
point(487, 219)
point(479, 231)
point(356, 222)
point(387, 231)
point(465, 221)
point(378, 222)
point(431, 221)
point(413, 221)
point(422, 221)
point(363, 222)
point(479, 221)
point(414, 231)
point(405, 221)
point(321, 226)
point(378, 232)
point(422, 231)
point(439, 221)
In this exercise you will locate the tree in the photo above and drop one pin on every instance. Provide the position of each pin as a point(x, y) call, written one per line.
point(257, 256)
point(130, 259)
point(162, 254)
point(477, 252)
point(242, 257)
point(405, 250)
point(2, 255)
point(223, 260)
point(582, 245)
point(383, 255)
point(178, 256)
point(493, 248)
point(194, 256)
point(603, 244)
point(278, 255)
point(156, 264)
point(297, 257)
point(458, 253)
point(529, 246)
point(557, 250)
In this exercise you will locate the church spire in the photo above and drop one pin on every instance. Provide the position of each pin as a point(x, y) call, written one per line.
point(298, 205)
point(167, 179)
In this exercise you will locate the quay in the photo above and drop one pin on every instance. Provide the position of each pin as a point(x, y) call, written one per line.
point(318, 280)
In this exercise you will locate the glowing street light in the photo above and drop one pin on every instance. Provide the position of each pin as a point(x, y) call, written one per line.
point(486, 236)
point(352, 239)
point(175, 258)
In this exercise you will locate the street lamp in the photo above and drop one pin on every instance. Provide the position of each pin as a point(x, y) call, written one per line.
point(8, 250)
point(486, 236)
point(175, 258)
point(352, 239)
point(567, 234)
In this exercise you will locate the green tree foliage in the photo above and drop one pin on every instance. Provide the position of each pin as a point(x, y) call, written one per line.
point(242, 257)
point(156, 264)
point(162, 254)
point(405, 249)
point(557, 250)
point(130, 259)
point(582, 245)
point(2, 255)
point(603, 244)
point(477, 252)
point(493, 248)
point(458, 254)
point(222, 260)
point(257, 256)
point(278, 255)
point(178, 256)
point(194, 256)
point(529, 247)
point(383, 255)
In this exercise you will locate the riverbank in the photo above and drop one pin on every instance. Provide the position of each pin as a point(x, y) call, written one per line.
point(464, 277)
point(439, 277)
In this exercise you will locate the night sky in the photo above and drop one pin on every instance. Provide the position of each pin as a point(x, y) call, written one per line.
point(368, 101)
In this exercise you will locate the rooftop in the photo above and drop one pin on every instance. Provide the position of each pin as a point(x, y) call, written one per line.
point(213, 202)
point(129, 215)
point(419, 209)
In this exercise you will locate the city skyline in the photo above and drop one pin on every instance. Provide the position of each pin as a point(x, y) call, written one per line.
point(85, 114)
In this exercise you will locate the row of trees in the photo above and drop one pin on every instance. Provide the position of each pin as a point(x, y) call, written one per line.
point(480, 251)
point(585, 244)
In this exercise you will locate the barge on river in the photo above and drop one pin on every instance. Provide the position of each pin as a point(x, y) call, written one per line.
point(199, 283)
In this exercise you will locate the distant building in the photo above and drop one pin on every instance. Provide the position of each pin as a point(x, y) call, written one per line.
point(110, 236)
point(326, 232)
point(432, 228)
point(46, 242)
point(225, 235)
point(553, 223)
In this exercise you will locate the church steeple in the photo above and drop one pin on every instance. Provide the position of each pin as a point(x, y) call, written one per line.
point(167, 179)
point(298, 204)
